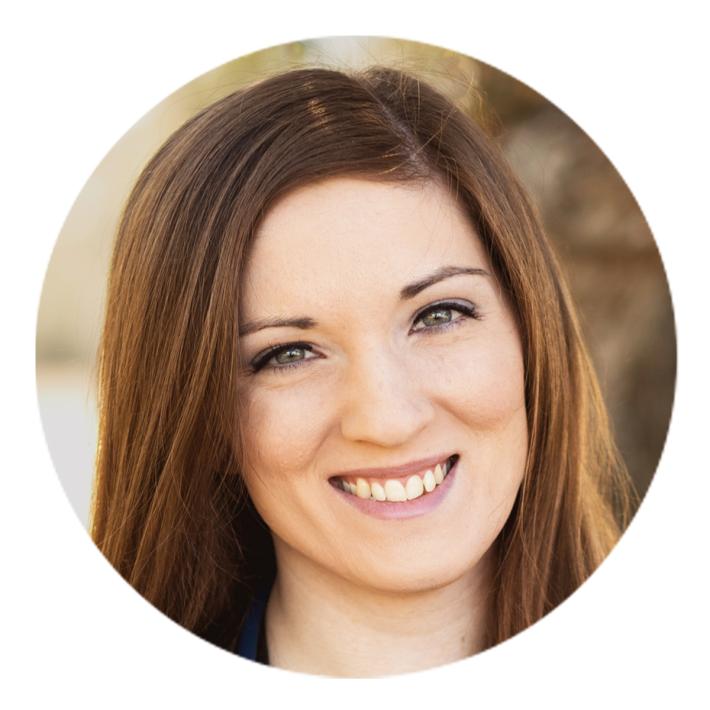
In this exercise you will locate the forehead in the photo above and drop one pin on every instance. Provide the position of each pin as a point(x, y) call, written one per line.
point(347, 234)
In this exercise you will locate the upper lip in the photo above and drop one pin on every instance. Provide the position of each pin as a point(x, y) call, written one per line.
point(394, 471)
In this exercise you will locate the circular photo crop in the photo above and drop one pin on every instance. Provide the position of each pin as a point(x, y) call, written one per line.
point(355, 357)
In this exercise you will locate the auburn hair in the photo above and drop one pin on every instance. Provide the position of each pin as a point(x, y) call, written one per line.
point(170, 510)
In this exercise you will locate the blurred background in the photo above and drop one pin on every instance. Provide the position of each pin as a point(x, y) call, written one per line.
point(611, 260)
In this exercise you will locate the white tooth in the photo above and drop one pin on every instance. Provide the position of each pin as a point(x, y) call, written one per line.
point(438, 473)
point(414, 488)
point(394, 490)
point(350, 487)
point(429, 481)
point(378, 492)
point(362, 488)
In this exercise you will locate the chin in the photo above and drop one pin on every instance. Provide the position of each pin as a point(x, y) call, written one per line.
point(413, 576)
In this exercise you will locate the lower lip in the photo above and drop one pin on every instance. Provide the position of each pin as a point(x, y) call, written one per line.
point(389, 510)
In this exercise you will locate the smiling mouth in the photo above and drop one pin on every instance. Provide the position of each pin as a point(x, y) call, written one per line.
point(397, 489)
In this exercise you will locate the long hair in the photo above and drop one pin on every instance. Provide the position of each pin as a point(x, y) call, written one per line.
point(170, 510)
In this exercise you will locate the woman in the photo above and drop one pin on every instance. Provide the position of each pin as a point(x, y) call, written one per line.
point(348, 423)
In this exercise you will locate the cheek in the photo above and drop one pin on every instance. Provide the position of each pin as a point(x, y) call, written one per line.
point(284, 428)
point(480, 382)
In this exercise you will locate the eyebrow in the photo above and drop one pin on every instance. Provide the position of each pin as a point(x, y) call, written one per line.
point(440, 274)
point(406, 293)
point(252, 326)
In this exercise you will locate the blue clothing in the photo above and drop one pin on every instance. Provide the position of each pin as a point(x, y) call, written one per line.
point(252, 640)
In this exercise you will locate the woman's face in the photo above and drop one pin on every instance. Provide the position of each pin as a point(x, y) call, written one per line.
point(377, 344)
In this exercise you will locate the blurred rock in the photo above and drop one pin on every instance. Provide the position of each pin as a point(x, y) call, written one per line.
point(615, 274)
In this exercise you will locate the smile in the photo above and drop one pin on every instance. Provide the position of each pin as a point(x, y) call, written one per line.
point(398, 482)
point(399, 489)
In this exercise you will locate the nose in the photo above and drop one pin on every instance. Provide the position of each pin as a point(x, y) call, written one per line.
point(384, 402)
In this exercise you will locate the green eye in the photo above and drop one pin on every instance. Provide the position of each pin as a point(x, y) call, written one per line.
point(437, 317)
point(282, 357)
point(441, 315)
point(291, 354)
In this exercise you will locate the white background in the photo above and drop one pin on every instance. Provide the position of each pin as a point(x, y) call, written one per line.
point(76, 75)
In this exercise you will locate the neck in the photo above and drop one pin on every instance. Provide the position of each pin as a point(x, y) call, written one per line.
point(321, 623)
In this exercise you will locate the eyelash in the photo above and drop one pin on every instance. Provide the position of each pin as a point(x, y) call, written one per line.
point(468, 310)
